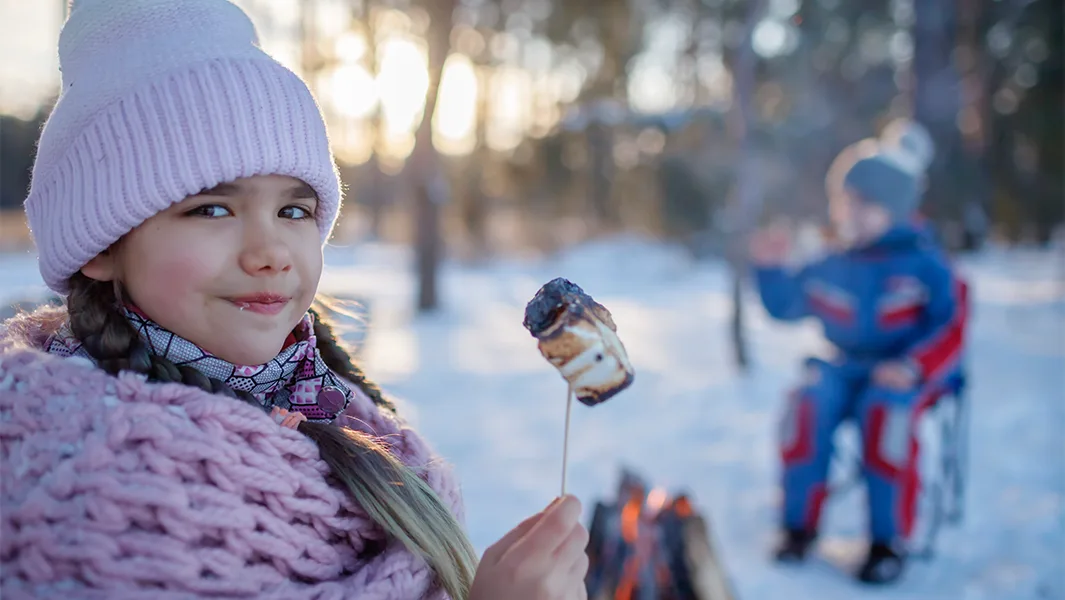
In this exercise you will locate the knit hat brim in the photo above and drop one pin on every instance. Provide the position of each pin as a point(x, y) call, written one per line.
point(178, 134)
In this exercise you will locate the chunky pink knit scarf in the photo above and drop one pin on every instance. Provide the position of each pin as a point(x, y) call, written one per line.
point(116, 488)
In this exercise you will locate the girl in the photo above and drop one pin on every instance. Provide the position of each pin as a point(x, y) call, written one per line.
point(181, 194)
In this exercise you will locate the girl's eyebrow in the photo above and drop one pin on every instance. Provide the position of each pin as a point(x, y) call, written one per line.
point(222, 189)
point(302, 191)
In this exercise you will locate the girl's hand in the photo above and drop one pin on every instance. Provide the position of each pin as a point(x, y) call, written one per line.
point(543, 558)
point(286, 418)
point(770, 246)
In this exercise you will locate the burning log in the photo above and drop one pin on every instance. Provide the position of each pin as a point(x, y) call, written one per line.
point(648, 545)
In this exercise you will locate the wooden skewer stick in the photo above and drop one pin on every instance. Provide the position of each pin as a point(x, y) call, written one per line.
point(565, 439)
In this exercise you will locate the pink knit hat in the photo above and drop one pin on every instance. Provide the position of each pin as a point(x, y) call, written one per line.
point(162, 99)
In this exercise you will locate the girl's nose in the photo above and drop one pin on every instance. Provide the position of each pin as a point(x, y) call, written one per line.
point(264, 254)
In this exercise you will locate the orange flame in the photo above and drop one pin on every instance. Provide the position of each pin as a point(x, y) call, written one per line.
point(630, 519)
point(631, 513)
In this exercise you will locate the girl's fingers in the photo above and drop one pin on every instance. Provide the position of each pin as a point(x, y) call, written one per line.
point(573, 547)
point(578, 573)
point(547, 535)
point(572, 559)
point(498, 549)
point(575, 576)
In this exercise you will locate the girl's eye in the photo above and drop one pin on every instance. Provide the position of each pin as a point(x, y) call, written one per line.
point(211, 211)
point(295, 213)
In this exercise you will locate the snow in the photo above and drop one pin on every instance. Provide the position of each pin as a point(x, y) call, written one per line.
point(471, 380)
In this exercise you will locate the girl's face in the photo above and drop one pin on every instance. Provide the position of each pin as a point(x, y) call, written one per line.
point(232, 269)
point(856, 220)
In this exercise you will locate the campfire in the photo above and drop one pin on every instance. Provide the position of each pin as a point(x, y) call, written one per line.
point(651, 545)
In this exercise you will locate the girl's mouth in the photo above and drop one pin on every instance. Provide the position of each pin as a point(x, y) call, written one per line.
point(263, 304)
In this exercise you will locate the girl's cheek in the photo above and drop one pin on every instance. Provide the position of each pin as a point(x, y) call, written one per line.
point(168, 281)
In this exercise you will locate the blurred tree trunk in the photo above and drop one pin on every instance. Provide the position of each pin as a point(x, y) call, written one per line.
point(609, 83)
point(747, 191)
point(936, 104)
point(974, 142)
point(600, 139)
point(475, 201)
point(618, 34)
point(425, 169)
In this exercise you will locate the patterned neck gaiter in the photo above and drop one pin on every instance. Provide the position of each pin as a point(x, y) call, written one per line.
point(296, 379)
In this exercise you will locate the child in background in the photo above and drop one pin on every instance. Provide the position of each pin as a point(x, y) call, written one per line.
point(886, 299)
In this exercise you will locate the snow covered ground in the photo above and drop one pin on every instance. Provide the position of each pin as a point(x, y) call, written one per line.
point(471, 379)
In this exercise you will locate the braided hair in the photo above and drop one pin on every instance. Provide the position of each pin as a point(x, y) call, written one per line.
point(390, 493)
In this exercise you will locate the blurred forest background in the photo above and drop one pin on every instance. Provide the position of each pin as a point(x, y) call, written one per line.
point(475, 127)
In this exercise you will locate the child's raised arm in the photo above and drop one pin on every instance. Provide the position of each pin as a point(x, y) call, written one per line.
point(780, 289)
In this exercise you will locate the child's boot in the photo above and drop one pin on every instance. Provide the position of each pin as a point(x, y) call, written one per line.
point(794, 545)
point(883, 565)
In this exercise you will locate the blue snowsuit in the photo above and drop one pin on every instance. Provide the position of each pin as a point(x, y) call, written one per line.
point(894, 300)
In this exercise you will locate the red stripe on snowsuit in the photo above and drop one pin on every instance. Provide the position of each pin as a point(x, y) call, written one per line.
point(802, 447)
point(911, 477)
point(832, 311)
point(813, 509)
point(827, 306)
point(940, 353)
point(800, 450)
point(903, 315)
point(907, 477)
